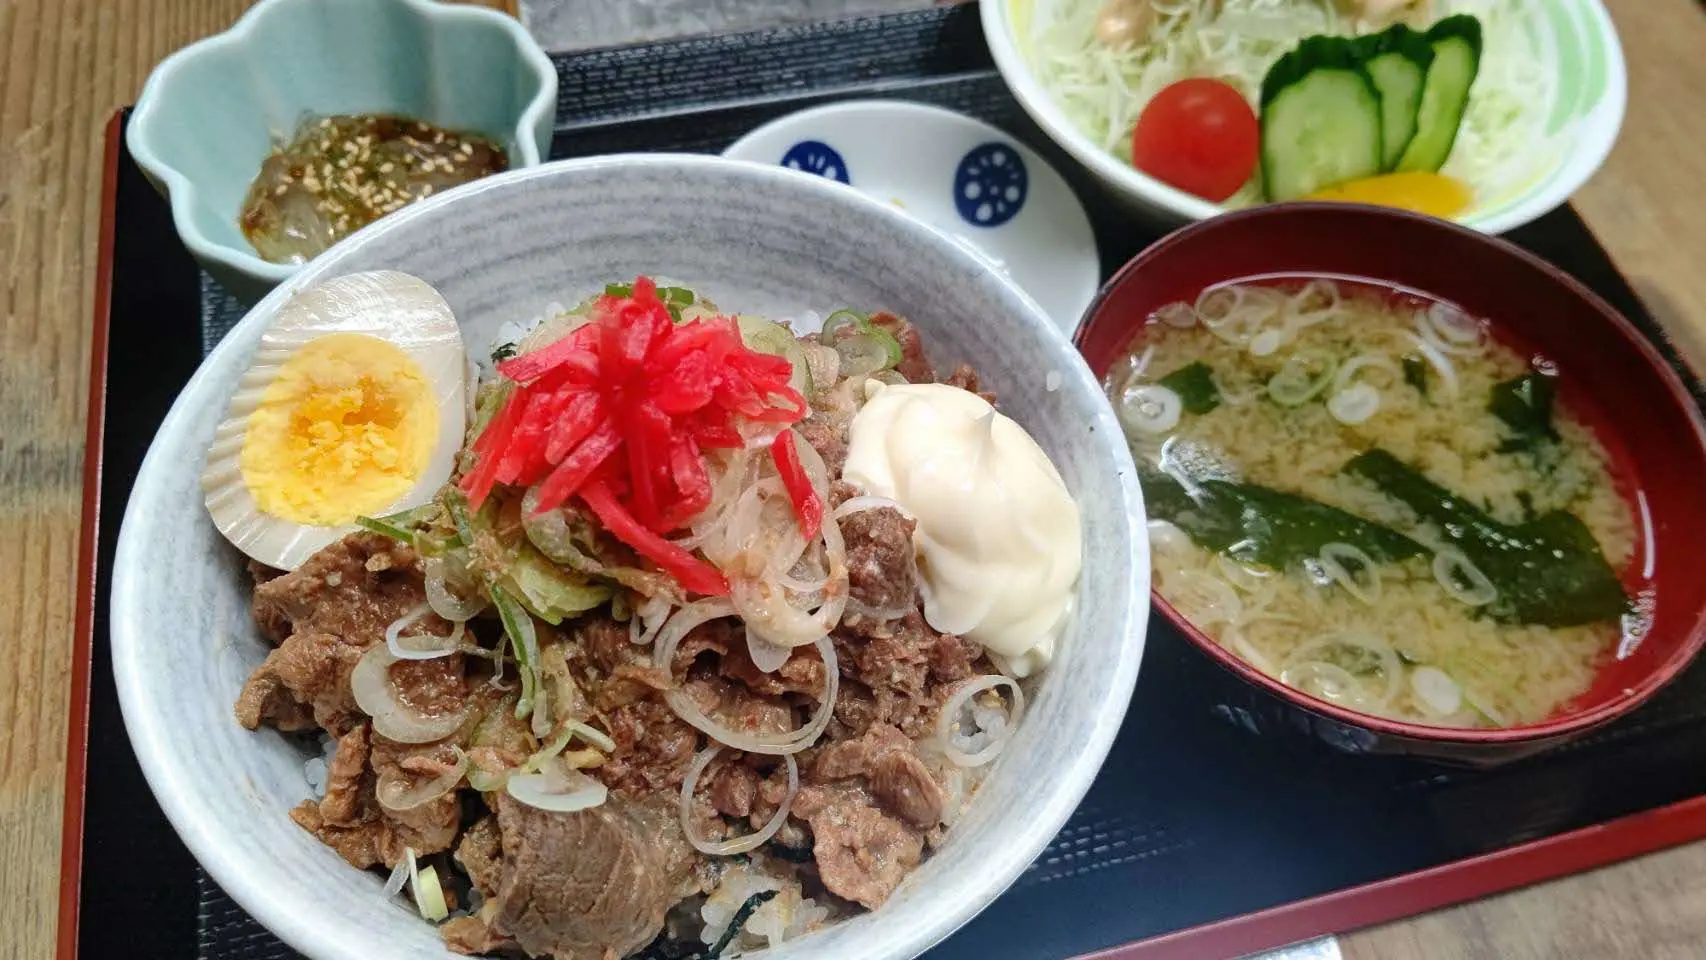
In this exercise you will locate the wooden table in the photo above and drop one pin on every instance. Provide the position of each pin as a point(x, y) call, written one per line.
point(69, 63)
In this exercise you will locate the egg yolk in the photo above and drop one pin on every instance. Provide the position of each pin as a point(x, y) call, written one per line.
point(343, 430)
point(1434, 194)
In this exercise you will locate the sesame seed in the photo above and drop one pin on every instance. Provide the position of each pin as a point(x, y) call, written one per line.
point(387, 167)
point(325, 123)
point(426, 190)
point(466, 148)
point(281, 189)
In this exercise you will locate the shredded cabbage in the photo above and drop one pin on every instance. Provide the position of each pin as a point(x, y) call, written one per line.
point(1103, 90)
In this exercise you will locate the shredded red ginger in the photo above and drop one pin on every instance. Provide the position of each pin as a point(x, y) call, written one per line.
point(620, 412)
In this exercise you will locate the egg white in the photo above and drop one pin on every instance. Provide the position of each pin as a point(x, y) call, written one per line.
point(402, 310)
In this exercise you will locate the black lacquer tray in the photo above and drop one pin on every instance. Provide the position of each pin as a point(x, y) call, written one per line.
point(1198, 840)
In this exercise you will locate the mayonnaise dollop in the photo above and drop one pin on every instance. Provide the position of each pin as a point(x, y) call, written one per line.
point(999, 541)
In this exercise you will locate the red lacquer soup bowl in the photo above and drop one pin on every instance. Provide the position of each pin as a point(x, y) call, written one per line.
point(1611, 377)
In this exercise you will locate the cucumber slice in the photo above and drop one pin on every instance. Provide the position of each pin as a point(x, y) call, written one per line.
point(1456, 43)
point(773, 338)
point(1397, 60)
point(1321, 120)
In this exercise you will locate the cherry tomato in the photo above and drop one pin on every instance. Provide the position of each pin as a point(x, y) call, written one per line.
point(1199, 135)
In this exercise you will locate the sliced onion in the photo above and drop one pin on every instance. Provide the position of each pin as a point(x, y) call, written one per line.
point(1338, 559)
point(557, 790)
point(441, 598)
point(1390, 665)
point(1354, 404)
point(865, 502)
point(437, 647)
point(956, 704)
point(1202, 597)
point(1178, 314)
point(1328, 681)
point(1267, 343)
point(822, 363)
point(370, 684)
point(1436, 690)
point(591, 735)
point(1450, 566)
point(1166, 537)
point(752, 841)
point(488, 782)
point(1294, 385)
point(766, 656)
point(399, 876)
point(1150, 409)
point(663, 654)
point(861, 355)
point(1355, 365)
point(1454, 326)
point(394, 791)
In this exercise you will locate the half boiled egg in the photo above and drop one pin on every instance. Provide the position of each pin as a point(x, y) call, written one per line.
point(353, 405)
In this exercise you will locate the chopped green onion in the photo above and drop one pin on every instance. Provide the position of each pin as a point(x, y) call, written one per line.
point(679, 296)
point(839, 320)
point(458, 507)
point(618, 290)
point(385, 528)
point(888, 341)
point(524, 642)
point(429, 895)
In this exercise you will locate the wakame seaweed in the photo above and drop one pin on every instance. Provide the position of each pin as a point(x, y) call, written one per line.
point(1416, 374)
point(1549, 570)
point(1525, 405)
point(1261, 525)
point(1194, 383)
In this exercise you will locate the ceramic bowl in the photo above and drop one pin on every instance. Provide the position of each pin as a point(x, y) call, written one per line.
point(757, 239)
point(1579, 101)
point(1611, 376)
point(210, 113)
point(958, 174)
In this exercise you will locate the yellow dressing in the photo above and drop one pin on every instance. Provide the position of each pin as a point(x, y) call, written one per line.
point(1431, 193)
point(344, 429)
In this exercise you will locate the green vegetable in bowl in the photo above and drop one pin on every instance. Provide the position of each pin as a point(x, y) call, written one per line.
point(1321, 119)
point(1397, 60)
point(1456, 43)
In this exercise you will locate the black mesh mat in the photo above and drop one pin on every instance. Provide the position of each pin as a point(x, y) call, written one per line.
point(1192, 820)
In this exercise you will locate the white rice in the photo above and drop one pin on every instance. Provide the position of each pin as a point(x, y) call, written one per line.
point(783, 917)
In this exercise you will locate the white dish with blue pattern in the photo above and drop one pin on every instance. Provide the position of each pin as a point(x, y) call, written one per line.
point(957, 174)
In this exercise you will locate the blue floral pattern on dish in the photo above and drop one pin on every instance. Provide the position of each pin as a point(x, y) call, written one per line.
point(990, 185)
point(815, 156)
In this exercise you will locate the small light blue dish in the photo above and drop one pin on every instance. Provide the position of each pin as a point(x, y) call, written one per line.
point(210, 113)
point(960, 175)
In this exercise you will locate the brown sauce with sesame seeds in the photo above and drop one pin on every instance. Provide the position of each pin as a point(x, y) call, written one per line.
point(341, 173)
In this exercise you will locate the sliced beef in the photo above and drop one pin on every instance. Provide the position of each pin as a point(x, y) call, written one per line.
point(352, 589)
point(734, 790)
point(349, 789)
point(905, 664)
point(480, 852)
point(738, 708)
point(324, 615)
point(425, 829)
point(802, 673)
point(653, 749)
point(880, 571)
point(474, 936)
point(862, 853)
point(893, 774)
point(433, 687)
point(829, 439)
point(914, 366)
point(313, 670)
point(580, 886)
point(967, 379)
point(358, 843)
point(266, 700)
